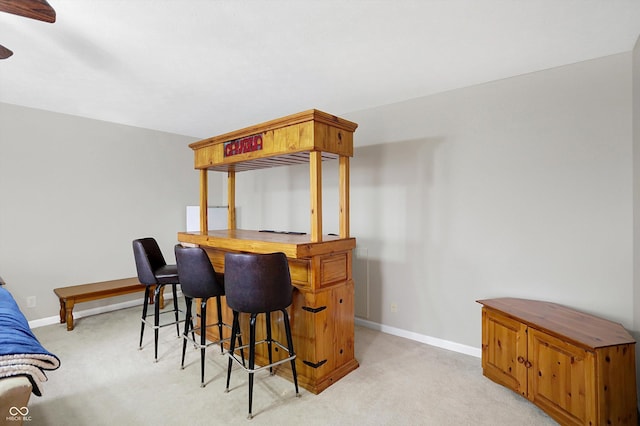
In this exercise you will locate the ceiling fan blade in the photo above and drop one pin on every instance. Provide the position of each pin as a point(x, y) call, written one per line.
point(34, 9)
point(4, 52)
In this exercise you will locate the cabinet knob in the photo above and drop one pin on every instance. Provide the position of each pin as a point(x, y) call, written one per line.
point(527, 364)
point(520, 359)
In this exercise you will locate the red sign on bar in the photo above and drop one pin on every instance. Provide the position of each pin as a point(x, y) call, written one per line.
point(243, 145)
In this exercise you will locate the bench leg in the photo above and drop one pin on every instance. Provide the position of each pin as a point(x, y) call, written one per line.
point(69, 311)
point(160, 297)
point(63, 312)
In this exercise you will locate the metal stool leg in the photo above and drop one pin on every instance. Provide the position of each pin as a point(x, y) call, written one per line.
point(175, 308)
point(186, 328)
point(156, 320)
point(239, 337)
point(287, 328)
point(269, 339)
point(252, 359)
point(144, 314)
point(240, 344)
point(203, 337)
point(220, 337)
point(235, 330)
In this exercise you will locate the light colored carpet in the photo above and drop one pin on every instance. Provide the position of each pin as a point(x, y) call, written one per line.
point(105, 380)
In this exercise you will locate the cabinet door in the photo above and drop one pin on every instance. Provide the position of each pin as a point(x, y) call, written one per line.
point(562, 379)
point(504, 350)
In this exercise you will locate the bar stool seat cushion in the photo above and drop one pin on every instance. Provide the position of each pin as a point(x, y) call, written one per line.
point(167, 274)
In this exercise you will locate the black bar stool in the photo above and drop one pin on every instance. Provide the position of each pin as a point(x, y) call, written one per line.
point(258, 284)
point(154, 271)
point(198, 279)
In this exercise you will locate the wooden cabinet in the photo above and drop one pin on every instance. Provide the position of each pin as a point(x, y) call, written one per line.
point(578, 368)
point(322, 312)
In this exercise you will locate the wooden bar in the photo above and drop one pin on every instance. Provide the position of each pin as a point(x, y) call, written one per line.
point(322, 312)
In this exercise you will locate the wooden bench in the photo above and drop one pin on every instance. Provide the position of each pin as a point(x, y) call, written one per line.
point(71, 295)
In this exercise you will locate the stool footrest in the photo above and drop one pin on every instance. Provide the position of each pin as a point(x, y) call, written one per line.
point(233, 357)
point(198, 344)
point(153, 326)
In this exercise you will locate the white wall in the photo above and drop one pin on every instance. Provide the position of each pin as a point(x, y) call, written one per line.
point(636, 179)
point(520, 187)
point(75, 192)
point(636, 202)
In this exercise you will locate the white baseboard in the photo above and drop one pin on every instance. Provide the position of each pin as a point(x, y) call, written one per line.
point(433, 341)
point(94, 311)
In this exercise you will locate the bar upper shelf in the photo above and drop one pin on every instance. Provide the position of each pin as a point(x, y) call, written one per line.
point(306, 137)
point(280, 142)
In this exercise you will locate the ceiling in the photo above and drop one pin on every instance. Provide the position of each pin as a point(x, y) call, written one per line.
point(202, 68)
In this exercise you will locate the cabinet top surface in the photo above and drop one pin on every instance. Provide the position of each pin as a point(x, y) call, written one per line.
point(582, 329)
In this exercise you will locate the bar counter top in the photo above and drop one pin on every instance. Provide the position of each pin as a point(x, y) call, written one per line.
point(293, 245)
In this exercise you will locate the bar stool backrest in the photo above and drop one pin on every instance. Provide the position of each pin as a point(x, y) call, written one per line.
point(257, 283)
point(148, 258)
point(197, 275)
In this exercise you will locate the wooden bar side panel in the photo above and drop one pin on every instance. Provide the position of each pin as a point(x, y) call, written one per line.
point(343, 301)
point(310, 321)
point(334, 268)
point(333, 139)
point(300, 270)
